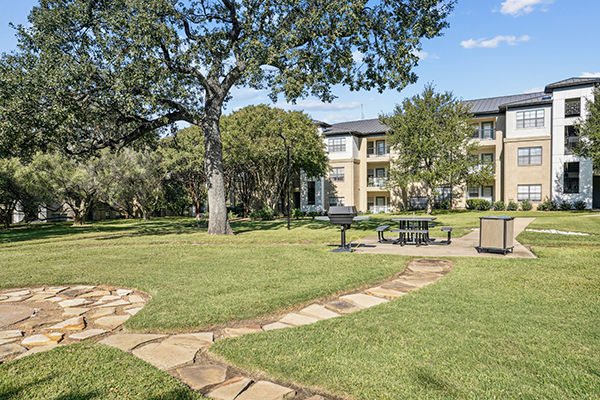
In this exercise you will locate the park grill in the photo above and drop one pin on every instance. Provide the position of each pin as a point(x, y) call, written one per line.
point(342, 216)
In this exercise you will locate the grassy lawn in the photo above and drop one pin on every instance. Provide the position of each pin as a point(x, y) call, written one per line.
point(491, 328)
point(88, 371)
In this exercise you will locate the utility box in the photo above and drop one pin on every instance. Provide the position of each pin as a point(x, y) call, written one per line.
point(496, 234)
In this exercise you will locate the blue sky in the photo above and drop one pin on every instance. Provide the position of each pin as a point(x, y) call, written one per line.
point(492, 48)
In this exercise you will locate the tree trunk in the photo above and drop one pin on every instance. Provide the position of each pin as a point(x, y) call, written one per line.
point(218, 224)
point(429, 198)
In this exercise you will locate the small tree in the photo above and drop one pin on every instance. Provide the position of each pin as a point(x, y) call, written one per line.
point(589, 131)
point(430, 138)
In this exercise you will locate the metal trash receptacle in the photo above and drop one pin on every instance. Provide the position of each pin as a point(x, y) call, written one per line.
point(496, 234)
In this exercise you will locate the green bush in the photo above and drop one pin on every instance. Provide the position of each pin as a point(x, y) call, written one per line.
point(526, 206)
point(499, 206)
point(579, 205)
point(512, 206)
point(548, 205)
point(313, 214)
point(263, 215)
point(478, 204)
point(565, 205)
point(297, 213)
point(442, 205)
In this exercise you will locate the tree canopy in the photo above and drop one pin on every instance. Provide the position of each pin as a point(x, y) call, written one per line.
point(430, 138)
point(589, 131)
point(91, 74)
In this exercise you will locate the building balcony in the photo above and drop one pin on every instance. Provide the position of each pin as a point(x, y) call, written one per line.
point(380, 209)
point(377, 182)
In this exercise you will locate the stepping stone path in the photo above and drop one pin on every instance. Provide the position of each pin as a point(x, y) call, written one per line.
point(38, 319)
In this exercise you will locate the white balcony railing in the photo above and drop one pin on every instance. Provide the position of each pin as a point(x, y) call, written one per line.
point(380, 209)
point(376, 182)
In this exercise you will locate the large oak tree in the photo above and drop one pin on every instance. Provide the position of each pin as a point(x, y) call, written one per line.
point(105, 73)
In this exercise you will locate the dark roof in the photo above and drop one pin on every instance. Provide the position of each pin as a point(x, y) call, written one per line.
point(544, 99)
point(571, 82)
point(361, 127)
point(492, 105)
point(321, 123)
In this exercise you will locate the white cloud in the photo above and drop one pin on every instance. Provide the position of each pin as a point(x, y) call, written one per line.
point(534, 90)
point(337, 118)
point(493, 43)
point(521, 7)
point(357, 56)
point(591, 75)
point(315, 105)
point(423, 55)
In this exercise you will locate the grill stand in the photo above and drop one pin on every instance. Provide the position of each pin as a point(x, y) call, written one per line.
point(344, 248)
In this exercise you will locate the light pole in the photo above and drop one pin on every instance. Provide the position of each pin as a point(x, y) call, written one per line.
point(287, 147)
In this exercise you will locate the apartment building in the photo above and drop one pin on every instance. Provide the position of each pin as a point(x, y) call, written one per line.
point(528, 137)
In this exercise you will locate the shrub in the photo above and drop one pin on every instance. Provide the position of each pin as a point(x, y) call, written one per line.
point(499, 206)
point(579, 205)
point(442, 205)
point(512, 206)
point(297, 213)
point(231, 215)
point(478, 204)
point(313, 214)
point(526, 206)
point(548, 205)
point(263, 215)
point(565, 205)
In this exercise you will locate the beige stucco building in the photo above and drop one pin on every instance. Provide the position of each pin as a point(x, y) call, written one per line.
point(527, 137)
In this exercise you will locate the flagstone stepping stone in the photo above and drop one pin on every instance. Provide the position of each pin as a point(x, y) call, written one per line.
point(431, 261)
point(425, 266)
point(230, 389)
point(112, 322)
point(400, 285)
point(200, 376)
point(3, 297)
point(73, 303)
point(55, 299)
point(102, 312)
point(383, 293)
point(275, 325)
point(96, 293)
point(363, 300)
point(133, 311)
point(18, 293)
point(316, 397)
point(263, 390)
point(7, 341)
point(15, 299)
point(109, 297)
point(136, 299)
point(242, 330)
point(113, 304)
point(40, 297)
point(11, 314)
point(129, 341)
point(72, 324)
point(317, 311)
point(297, 319)
point(87, 334)
point(74, 311)
point(10, 334)
point(418, 282)
point(35, 322)
point(124, 292)
point(191, 340)
point(11, 349)
point(342, 307)
point(41, 340)
point(166, 356)
point(35, 350)
point(56, 289)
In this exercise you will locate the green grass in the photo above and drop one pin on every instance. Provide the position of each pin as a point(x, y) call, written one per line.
point(88, 371)
point(492, 328)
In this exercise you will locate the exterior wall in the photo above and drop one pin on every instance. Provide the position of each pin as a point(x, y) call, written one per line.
point(559, 121)
point(347, 187)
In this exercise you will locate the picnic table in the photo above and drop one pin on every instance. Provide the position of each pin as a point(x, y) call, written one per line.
point(412, 230)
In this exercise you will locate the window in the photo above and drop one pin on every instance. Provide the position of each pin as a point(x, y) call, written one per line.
point(571, 178)
point(444, 193)
point(530, 119)
point(337, 174)
point(572, 107)
point(475, 133)
point(337, 145)
point(487, 131)
point(418, 203)
point(529, 193)
point(311, 193)
point(488, 158)
point(473, 192)
point(488, 193)
point(336, 201)
point(571, 139)
point(530, 155)
point(377, 148)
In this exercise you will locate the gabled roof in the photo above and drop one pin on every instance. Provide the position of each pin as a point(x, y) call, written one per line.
point(361, 127)
point(321, 123)
point(544, 99)
point(491, 105)
point(571, 82)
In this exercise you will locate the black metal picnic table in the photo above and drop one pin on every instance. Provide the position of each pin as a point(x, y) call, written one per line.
point(412, 230)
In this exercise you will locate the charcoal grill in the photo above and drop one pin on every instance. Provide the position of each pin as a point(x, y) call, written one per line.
point(342, 216)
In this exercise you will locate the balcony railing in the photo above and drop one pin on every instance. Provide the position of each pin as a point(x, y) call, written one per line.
point(380, 209)
point(375, 152)
point(376, 182)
